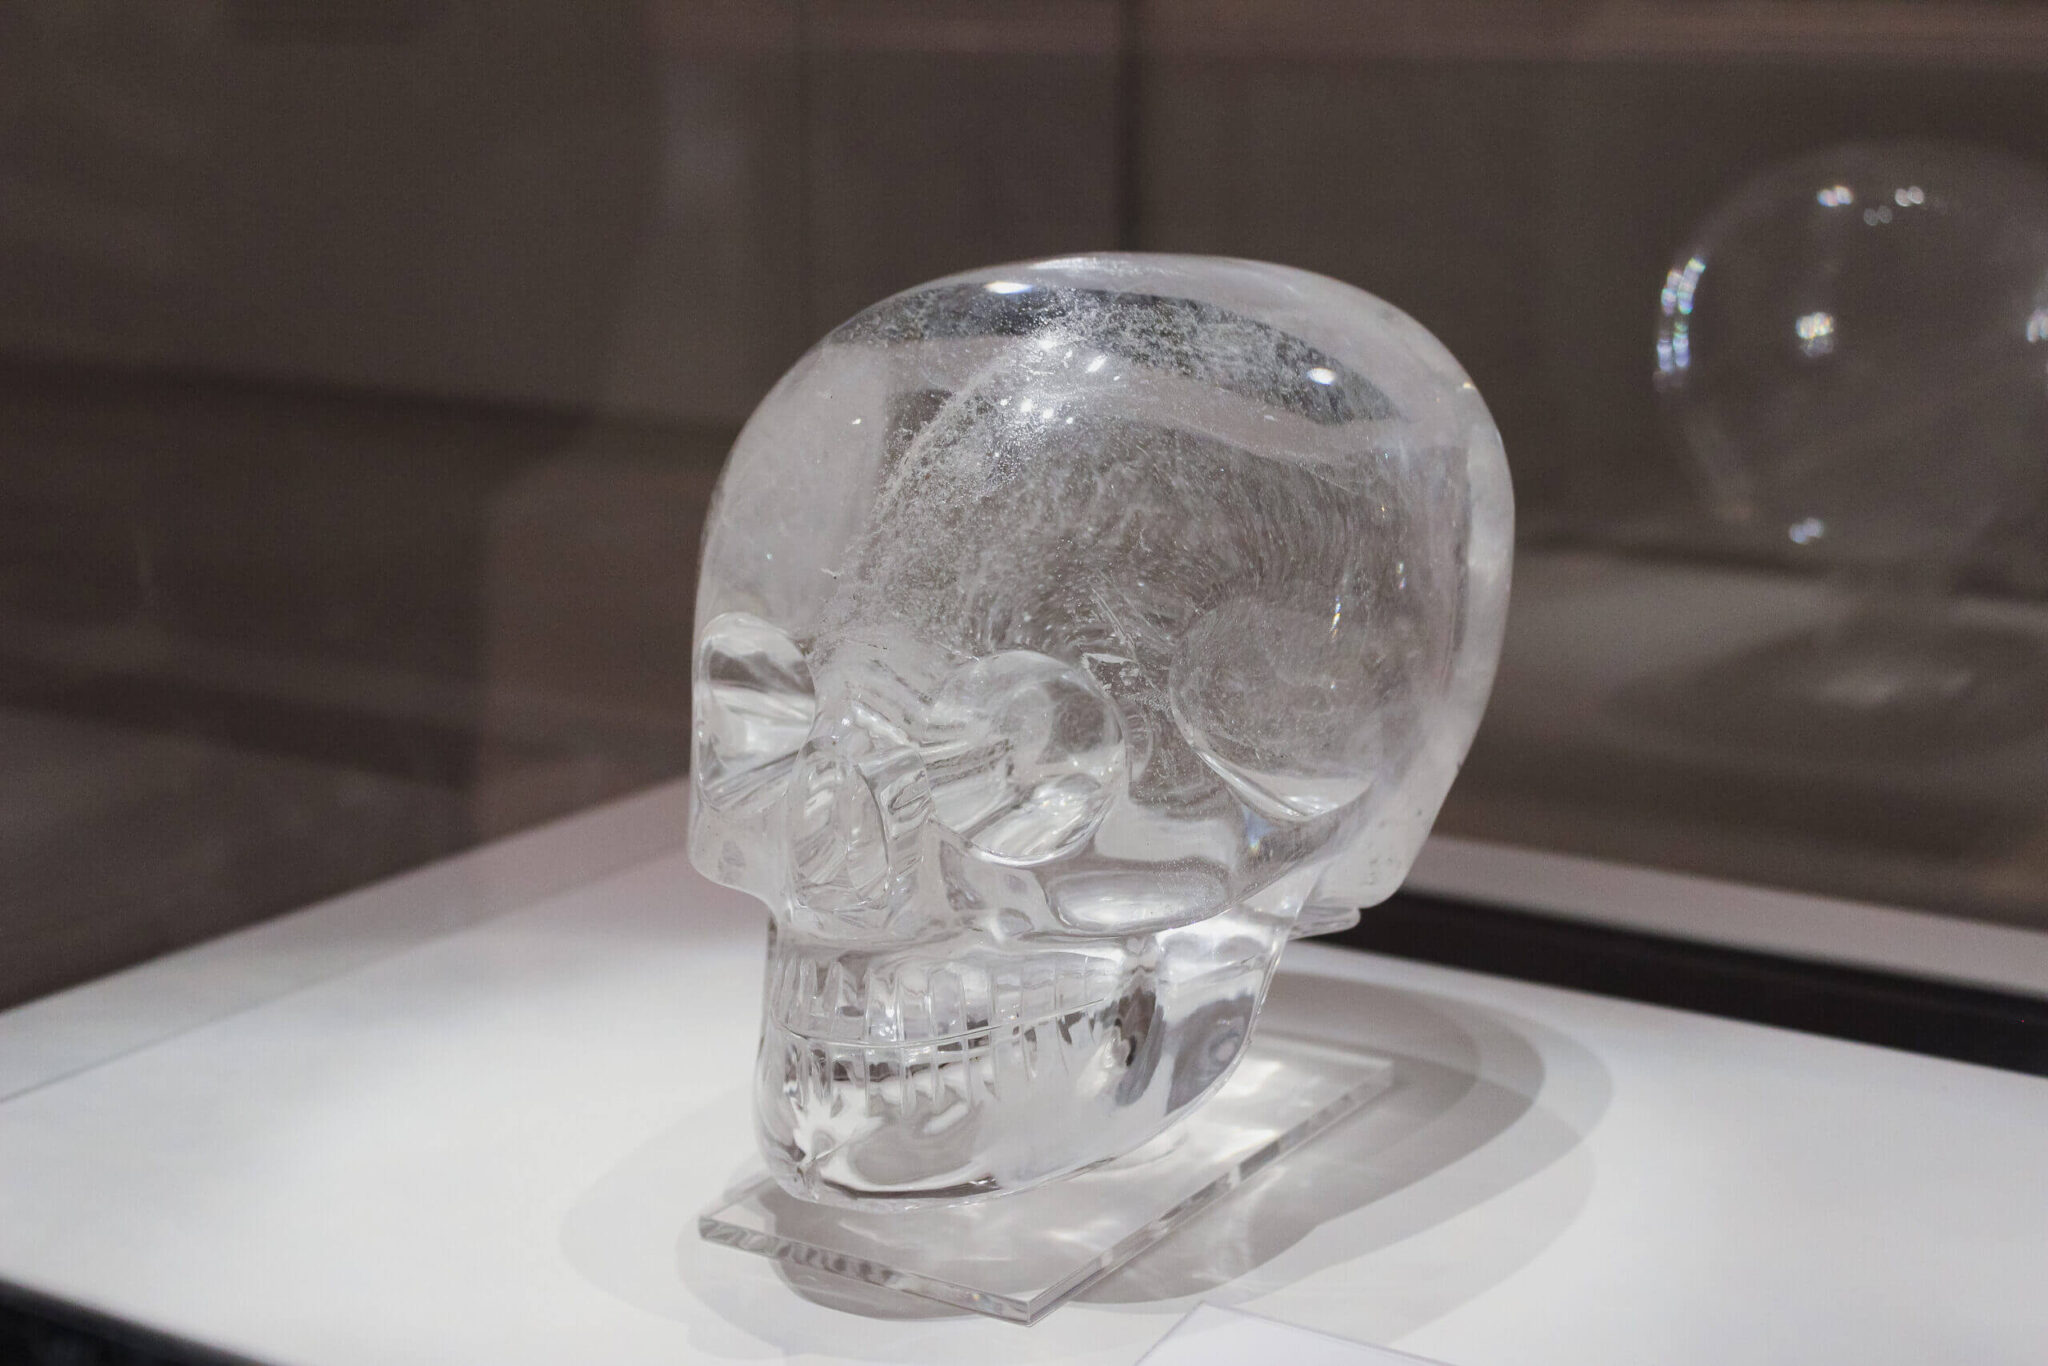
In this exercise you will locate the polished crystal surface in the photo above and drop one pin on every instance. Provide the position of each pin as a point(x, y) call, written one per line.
point(1069, 636)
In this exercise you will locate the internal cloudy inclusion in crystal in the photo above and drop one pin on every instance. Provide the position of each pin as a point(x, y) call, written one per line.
point(1070, 635)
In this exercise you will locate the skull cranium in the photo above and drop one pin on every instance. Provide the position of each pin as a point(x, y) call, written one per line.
point(1070, 636)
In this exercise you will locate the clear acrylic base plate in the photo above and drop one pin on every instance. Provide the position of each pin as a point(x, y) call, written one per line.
point(1020, 1256)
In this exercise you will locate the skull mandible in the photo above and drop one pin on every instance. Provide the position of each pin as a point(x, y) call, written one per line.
point(1070, 636)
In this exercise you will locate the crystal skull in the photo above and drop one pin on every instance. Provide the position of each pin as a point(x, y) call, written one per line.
point(1070, 636)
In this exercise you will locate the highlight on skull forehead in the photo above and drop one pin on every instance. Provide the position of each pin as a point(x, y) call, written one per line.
point(1199, 340)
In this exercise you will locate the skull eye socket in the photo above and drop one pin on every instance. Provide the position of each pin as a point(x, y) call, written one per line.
point(754, 707)
point(1023, 754)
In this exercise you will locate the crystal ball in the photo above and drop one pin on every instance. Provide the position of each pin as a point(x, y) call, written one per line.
point(1853, 349)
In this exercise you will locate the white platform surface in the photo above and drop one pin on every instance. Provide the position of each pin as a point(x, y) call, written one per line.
point(470, 1116)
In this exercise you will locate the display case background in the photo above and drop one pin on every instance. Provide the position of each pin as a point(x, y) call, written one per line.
point(365, 367)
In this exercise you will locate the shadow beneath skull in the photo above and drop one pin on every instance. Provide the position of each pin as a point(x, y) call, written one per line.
point(1481, 1103)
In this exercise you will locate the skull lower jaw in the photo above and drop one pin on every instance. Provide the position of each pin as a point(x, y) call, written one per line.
point(935, 1078)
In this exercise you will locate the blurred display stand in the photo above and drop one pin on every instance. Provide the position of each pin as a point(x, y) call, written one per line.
point(1628, 726)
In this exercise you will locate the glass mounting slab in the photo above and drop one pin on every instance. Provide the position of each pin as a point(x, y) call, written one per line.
point(1020, 1256)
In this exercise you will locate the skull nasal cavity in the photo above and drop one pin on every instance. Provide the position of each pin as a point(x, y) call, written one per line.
point(852, 816)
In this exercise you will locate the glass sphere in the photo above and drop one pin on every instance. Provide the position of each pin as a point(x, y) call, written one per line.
point(1854, 349)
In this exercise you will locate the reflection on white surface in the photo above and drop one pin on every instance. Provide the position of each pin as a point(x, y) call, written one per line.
point(1224, 1337)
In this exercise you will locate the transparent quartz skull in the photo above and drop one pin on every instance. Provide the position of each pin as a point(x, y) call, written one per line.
point(1070, 636)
